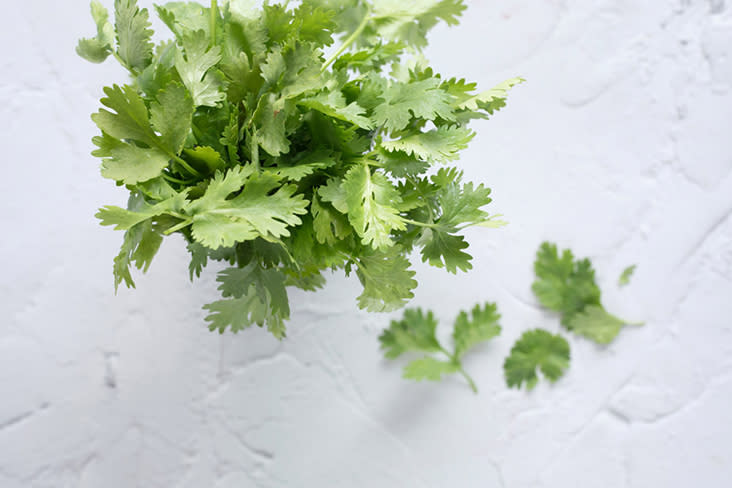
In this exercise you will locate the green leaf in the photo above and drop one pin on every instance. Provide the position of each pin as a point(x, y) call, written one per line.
point(409, 22)
point(371, 199)
point(420, 99)
point(140, 245)
point(271, 121)
point(387, 281)
point(333, 104)
point(627, 274)
point(563, 284)
point(182, 17)
point(199, 259)
point(480, 326)
point(171, 116)
point(443, 250)
point(334, 192)
point(329, 225)
point(293, 70)
point(428, 368)
point(596, 324)
point(400, 164)
point(206, 157)
point(260, 296)
point(134, 45)
point(490, 100)
point(436, 146)
point(129, 163)
point(258, 211)
point(130, 118)
point(98, 49)
point(195, 69)
point(126, 219)
point(536, 349)
point(414, 332)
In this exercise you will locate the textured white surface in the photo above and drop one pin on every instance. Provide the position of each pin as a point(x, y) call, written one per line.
point(618, 147)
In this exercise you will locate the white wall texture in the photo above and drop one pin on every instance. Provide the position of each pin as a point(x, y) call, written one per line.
point(618, 147)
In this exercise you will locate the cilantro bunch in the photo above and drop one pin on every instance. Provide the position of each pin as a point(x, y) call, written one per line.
point(286, 142)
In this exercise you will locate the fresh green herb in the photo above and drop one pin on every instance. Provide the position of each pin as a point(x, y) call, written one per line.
point(536, 349)
point(568, 286)
point(416, 332)
point(627, 274)
point(239, 135)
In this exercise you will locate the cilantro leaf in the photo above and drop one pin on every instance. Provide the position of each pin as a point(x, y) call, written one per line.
point(436, 146)
point(271, 121)
point(627, 274)
point(98, 49)
point(420, 99)
point(129, 163)
point(255, 212)
point(387, 281)
point(415, 332)
point(261, 289)
point(130, 118)
point(171, 115)
point(480, 326)
point(409, 21)
point(596, 324)
point(132, 24)
point(371, 199)
point(563, 284)
point(140, 245)
point(536, 349)
point(329, 225)
point(443, 250)
point(333, 104)
point(490, 100)
point(195, 69)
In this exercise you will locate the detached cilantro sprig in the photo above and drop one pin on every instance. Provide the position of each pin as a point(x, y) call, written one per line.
point(416, 333)
point(240, 136)
point(568, 286)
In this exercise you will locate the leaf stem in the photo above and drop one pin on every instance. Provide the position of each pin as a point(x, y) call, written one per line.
point(347, 43)
point(185, 165)
point(459, 365)
point(212, 20)
point(178, 227)
point(468, 379)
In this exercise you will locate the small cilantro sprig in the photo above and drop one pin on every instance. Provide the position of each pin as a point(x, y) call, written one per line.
point(241, 136)
point(416, 333)
point(568, 286)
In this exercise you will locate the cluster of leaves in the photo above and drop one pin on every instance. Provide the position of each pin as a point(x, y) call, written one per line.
point(562, 284)
point(568, 286)
point(239, 135)
point(416, 333)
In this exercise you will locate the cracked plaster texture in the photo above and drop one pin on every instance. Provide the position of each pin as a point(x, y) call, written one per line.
point(618, 147)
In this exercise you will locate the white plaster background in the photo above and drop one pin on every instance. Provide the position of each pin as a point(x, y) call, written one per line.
point(618, 147)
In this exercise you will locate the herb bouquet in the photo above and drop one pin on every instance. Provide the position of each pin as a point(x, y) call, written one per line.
point(268, 148)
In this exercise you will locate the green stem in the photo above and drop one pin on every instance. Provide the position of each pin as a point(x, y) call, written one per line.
point(454, 360)
point(347, 43)
point(185, 165)
point(212, 20)
point(178, 227)
point(468, 379)
point(255, 151)
point(172, 179)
